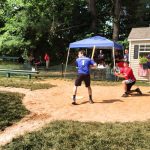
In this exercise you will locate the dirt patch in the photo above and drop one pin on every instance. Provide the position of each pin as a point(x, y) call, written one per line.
point(51, 104)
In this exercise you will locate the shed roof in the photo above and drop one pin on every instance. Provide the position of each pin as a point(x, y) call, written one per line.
point(142, 33)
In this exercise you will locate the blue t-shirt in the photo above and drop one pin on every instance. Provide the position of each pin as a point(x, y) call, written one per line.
point(83, 64)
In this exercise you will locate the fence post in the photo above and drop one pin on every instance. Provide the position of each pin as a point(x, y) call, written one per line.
point(62, 69)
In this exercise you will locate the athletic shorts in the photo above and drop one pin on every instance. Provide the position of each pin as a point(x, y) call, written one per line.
point(148, 65)
point(129, 84)
point(83, 77)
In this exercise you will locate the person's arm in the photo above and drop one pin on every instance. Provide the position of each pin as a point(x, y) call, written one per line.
point(76, 63)
point(119, 75)
point(93, 64)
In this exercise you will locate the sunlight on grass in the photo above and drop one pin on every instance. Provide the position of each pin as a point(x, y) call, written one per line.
point(10, 65)
point(54, 72)
point(11, 109)
point(24, 83)
point(71, 135)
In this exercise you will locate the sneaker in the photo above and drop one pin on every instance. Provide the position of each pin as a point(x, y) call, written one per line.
point(91, 101)
point(74, 103)
point(125, 95)
point(138, 91)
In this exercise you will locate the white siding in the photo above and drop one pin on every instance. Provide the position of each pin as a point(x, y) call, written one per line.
point(134, 63)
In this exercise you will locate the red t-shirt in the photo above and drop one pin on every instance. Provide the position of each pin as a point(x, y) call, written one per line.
point(46, 57)
point(128, 73)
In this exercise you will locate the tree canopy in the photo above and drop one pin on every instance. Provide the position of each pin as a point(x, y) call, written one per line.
point(36, 26)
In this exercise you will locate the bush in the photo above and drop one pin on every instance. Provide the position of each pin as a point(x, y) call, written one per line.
point(143, 60)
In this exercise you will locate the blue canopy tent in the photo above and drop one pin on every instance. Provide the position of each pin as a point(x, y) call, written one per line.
point(95, 42)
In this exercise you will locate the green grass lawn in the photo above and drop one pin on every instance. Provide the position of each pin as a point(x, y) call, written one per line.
point(11, 109)
point(114, 83)
point(55, 72)
point(143, 83)
point(10, 65)
point(24, 83)
point(69, 135)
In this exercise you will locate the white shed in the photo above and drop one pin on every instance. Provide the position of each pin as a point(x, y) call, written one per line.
point(139, 45)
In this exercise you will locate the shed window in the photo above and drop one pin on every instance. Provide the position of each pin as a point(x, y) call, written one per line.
point(144, 50)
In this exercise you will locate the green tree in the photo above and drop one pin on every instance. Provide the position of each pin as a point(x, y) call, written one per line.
point(92, 11)
point(50, 25)
point(116, 13)
point(11, 39)
point(135, 14)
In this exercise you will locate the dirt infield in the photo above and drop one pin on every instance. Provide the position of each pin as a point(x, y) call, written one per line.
point(55, 104)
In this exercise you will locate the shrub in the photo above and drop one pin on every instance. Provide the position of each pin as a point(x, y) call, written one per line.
point(143, 60)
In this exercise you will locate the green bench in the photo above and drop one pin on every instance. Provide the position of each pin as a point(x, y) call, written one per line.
point(8, 72)
point(9, 58)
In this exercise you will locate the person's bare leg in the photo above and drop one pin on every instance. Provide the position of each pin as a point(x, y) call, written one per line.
point(125, 89)
point(124, 86)
point(89, 90)
point(90, 94)
point(75, 90)
point(74, 95)
point(149, 75)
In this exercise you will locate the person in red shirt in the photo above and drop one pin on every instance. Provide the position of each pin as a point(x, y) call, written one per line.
point(127, 73)
point(47, 60)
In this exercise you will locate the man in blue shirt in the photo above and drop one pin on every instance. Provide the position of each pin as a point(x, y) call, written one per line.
point(83, 64)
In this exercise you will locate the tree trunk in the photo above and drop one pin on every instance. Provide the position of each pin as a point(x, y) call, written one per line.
point(92, 10)
point(116, 19)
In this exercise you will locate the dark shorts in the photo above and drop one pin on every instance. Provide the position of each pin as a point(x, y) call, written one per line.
point(148, 65)
point(83, 77)
point(130, 85)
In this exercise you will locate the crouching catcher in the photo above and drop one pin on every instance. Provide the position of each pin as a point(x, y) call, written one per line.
point(127, 73)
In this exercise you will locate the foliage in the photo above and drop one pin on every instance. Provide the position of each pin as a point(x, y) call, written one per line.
point(143, 13)
point(11, 109)
point(38, 26)
point(125, 43)
point(143, 60)
point(90, 136)
point(134, 14)
point(12, 39)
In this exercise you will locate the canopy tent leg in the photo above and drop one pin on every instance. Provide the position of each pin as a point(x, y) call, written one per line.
point(93, 52)
point(113, 55)
point(113, 51)
point(67, 62)
point(86, 51)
